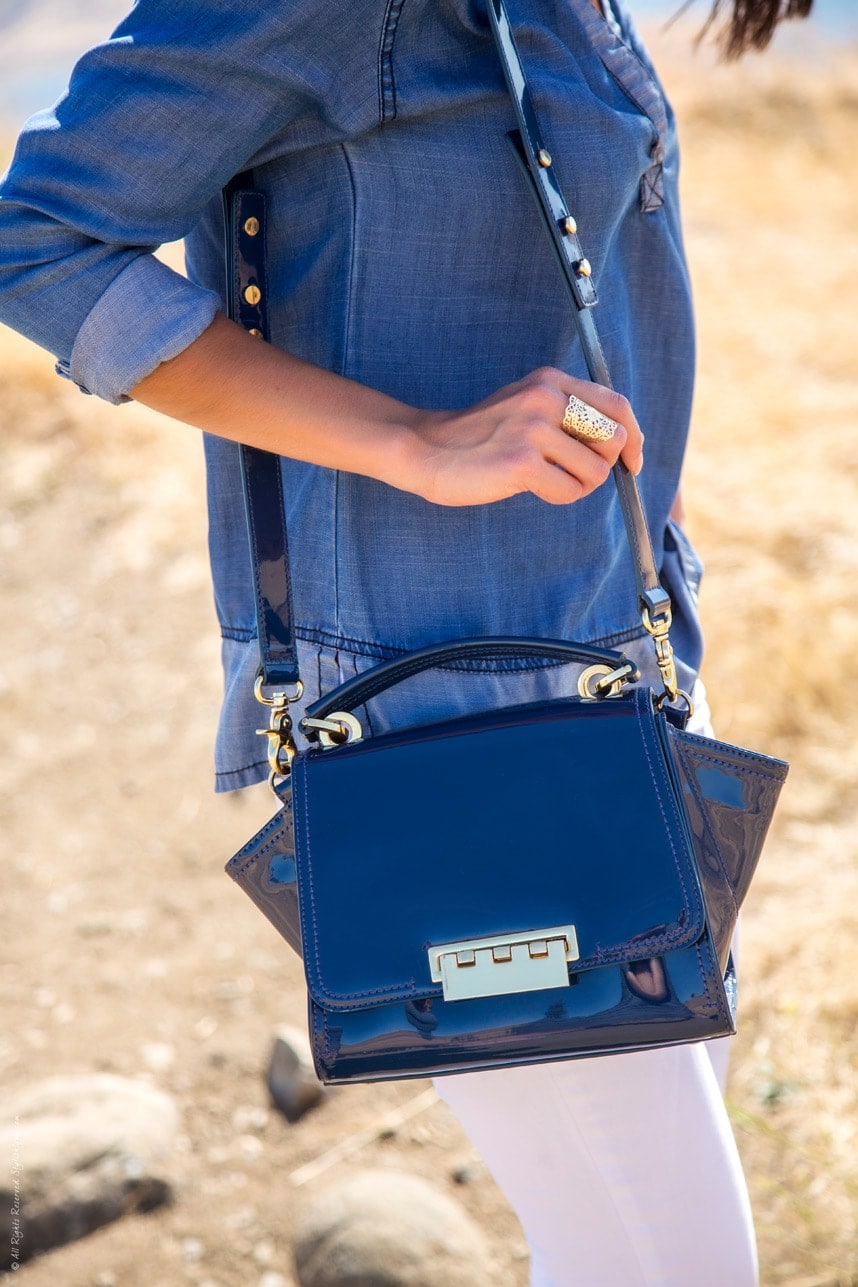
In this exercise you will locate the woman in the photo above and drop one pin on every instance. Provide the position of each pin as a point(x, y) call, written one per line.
point(407, 279)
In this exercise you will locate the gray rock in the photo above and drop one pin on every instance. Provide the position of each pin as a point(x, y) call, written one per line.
point(85, 1150)
point(389, 1229)
point(292, 1080)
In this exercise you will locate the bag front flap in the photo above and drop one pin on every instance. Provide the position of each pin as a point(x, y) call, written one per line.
point(506, 824)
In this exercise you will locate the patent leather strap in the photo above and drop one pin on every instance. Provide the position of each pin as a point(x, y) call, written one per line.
point(247, 303)
point(368, 685)
point(535, 160)
point(561, 228)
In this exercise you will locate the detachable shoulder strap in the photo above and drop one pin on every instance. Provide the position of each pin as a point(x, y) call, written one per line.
point(247, 304)
point(247, 298)
point(562, 229)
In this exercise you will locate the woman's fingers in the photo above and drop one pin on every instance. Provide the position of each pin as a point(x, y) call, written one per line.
point(549, 434)
point(571, 403)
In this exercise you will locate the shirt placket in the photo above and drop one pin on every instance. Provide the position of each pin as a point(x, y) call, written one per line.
point(608, 39)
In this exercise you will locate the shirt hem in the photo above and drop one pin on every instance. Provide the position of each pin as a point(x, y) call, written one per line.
point(237, 779)
point(388, 652)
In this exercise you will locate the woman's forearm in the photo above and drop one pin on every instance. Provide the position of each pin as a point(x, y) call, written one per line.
point(235, 386)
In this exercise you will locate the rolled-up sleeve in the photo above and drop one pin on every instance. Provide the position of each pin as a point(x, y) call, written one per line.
point(147, 315)
point(155, 121)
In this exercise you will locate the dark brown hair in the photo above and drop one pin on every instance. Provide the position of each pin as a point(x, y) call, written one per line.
point(750, 24)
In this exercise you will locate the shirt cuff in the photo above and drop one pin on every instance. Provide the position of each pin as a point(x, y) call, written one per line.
point(148, 314)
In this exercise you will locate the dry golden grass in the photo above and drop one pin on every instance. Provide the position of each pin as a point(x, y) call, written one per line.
point(771, 201)
point(103, 527)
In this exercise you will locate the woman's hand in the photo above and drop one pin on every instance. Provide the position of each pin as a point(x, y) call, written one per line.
point(514, 442)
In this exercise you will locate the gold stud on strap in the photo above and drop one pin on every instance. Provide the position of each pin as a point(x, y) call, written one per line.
point(251, 226)
point(544, 158)
point(252, 294)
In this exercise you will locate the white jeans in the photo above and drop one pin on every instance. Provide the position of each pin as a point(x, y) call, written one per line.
point(623, 1170)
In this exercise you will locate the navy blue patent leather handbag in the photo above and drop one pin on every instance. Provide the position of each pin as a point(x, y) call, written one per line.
point(540, 882)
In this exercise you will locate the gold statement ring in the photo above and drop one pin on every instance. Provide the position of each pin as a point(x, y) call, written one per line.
point(586, 423)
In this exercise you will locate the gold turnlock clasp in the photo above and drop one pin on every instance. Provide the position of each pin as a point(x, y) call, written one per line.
point(339, 727)
point(599, 681)
point(491, 967)
point(281, 744)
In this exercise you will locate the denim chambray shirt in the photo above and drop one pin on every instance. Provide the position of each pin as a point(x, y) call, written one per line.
point(404, 251)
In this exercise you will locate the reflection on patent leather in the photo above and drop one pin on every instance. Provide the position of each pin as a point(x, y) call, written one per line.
point(647, 979)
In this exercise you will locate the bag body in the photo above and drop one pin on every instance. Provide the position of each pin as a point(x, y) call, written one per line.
point(514, 887)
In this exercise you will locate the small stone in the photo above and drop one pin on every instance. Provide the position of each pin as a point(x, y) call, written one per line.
point(136, 921)
point(192, 1251)
point(241, 1218)
point(249, 1117)
point(292, 1081)
point(86, 1150)
point(263, 1253)
point(389, 1229)
point(234, 989)
point(251, 1147)
point(273, 1279)
point(157, 1056)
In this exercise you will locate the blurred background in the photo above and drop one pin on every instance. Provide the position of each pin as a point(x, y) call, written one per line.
point(124, 948)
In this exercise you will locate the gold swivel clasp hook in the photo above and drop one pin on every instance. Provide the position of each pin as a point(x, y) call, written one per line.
point(281, 743)
point(658, 627)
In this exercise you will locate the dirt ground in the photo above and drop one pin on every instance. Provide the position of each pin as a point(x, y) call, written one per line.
point(125, 948)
